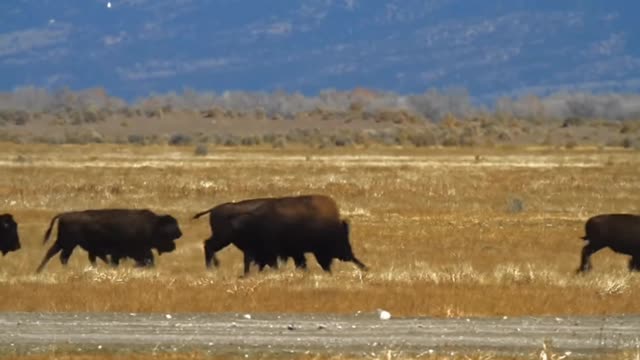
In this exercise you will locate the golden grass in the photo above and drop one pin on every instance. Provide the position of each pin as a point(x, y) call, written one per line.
point(440, 229)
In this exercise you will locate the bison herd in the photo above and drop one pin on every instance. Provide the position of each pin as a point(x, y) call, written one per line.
point(266, 230)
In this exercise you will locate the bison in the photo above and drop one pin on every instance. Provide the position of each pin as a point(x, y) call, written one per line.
point(290, 227)
point(117, 233)
point(9, 240)
point(220, 222)
point(619, 232)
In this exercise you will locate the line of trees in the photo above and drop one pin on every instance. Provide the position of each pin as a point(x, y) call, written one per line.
point(433, 104)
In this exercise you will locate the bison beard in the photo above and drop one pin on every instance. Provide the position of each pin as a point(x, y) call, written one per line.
point(119, 233)
point(619, 232)
point(290, 227)
point(9, 240)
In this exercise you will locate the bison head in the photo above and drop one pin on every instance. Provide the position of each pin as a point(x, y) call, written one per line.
point(166, 232)
point(9, 240)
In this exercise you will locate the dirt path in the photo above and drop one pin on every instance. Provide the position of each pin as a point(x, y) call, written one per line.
point(33, 332)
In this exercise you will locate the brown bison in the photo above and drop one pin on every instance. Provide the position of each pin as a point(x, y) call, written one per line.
point(619, 232)
point(9, 240)
point(290, 227)
point(220, 217)
point(117, 233)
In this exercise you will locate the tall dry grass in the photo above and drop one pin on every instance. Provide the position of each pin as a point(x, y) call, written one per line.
point(455, 232)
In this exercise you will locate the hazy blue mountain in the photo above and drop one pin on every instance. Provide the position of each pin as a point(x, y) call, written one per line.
point(489, 47)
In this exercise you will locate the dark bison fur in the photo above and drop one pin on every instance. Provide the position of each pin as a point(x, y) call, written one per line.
point(9, 240)
point(619, 232)
point(118, 233)
point(220, 217)
point(289, 227)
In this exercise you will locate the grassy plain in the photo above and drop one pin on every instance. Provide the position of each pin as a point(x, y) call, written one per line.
point(446, 232)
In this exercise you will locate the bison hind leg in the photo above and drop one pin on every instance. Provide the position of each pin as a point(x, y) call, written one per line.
point(210, 249)
point(65, 255)
point(53, 250)
point(359, 264)
point(634, 263)
point(92, 259)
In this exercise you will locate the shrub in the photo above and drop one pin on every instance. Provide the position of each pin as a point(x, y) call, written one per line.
point(127, 112)
point(467, 140)
point(232, 140)
point(214, 112)
point(572, 121)
point(180, 140)
point(201, 150)
point(629, 127)
point(504, 136)
point(76, 118)
point(153, 113)
point(342, 140)
point(421, 139)
point(279, 142)
point(571, 144)
point(515, 205)
point(82, 136)
point(90, 117)
point(451, 140)
point(269, 138)
point(360, 138)
point(251, 141)
point(155, 139)
point(166, 109)
point(21, 117)
point(260, 114)
point(136, 139)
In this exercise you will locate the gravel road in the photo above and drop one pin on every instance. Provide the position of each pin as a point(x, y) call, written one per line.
point(224, 333)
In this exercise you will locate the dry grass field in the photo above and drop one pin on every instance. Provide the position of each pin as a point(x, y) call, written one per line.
point(446, 232)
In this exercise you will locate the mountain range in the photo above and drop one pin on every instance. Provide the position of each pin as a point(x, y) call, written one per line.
point(133, 48)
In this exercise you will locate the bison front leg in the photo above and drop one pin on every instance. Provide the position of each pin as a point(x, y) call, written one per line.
point(300, 261)
point(93, 259)
point(115, 260)
point(324, 261)
point(145, 259)
point(585, 259)
point(145, 263)
point(247, 264)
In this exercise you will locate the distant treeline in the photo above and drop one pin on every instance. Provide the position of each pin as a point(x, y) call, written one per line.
point(432, 105)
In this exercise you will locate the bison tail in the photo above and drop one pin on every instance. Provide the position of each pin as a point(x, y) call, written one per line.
point(202, 213)
point(584, 238)
point(48, 233)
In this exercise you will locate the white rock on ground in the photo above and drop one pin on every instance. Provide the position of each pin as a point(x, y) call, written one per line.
point(384, 314)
